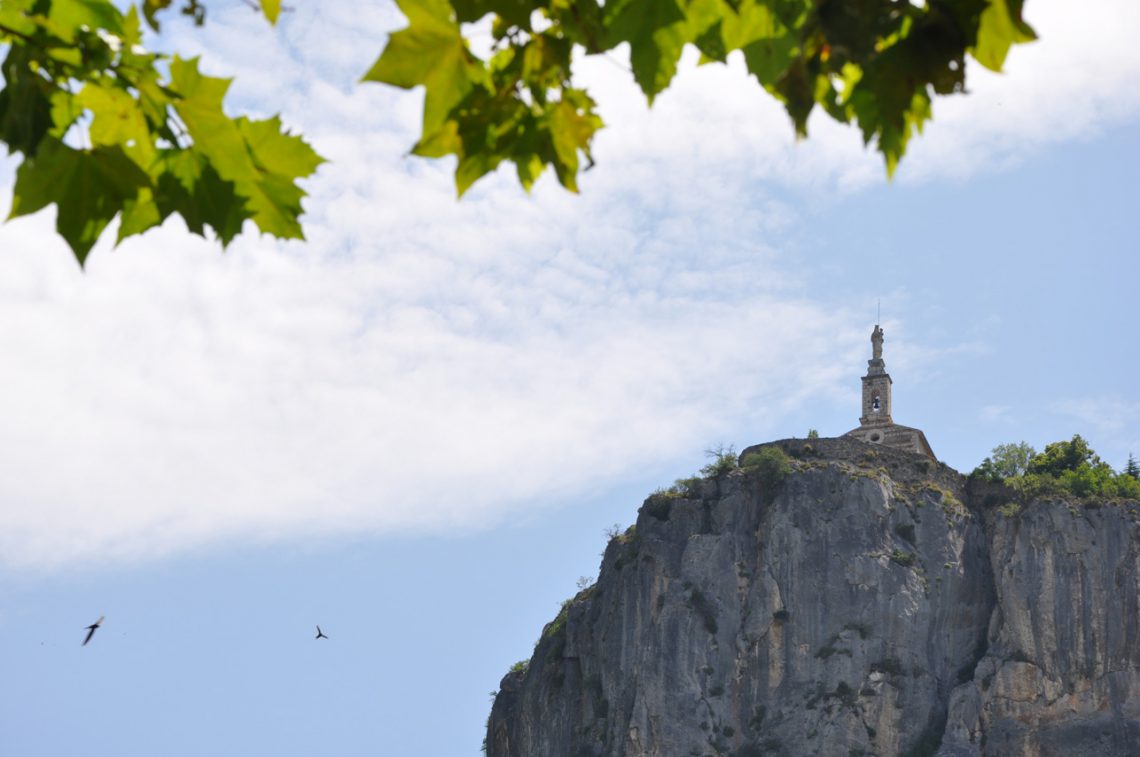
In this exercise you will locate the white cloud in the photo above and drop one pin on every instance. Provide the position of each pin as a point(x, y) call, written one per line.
point(422, 363)
point(172, 396)
point(996, 414)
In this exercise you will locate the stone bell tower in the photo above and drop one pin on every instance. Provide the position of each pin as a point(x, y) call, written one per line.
point(876, 424)
point(876, 386)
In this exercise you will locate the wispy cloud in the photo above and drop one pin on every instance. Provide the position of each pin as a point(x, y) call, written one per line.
point(167, 398)
point(1106, 414)
point(996, 414)
point(1111, 423)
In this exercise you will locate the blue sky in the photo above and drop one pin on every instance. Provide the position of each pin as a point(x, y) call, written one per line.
point(415, 428)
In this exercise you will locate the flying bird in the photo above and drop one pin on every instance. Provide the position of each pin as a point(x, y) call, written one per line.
point(320, 633)
point(91, 630)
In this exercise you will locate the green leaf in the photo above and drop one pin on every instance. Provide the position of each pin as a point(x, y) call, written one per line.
point(139, 214)
point(274, 198)
point(256, 157)
point(546, 61)
point(711, 43)
point(514, 12)
point(486, 128)
point(271, 9)
point(797, 87)
point(275, 202)
point(890, 106)
point(443, 141)
point(572, 126)
point(89, 187)
point(25, 109)
point(276, 151)
point(214, 134)
point(431, 52)
point(528, 167)
point(67, 18)
point(189, 186)
point(65, 110)
point(218, 205)
point(118, 120)
point(474, 166)
point(185, 183)
point(1000, 28)
point(14, 16)
point(132, 28)
point(151, 9)
point(581, 22)
point(467, 11)
point(655, 31)
point(769, 47)
point(154, 100)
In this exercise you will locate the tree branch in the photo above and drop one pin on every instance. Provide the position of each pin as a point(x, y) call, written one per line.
point(21, 35)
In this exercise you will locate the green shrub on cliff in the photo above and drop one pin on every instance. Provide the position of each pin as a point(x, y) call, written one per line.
point(1064, 469)
point(685, 487)
point(682, 488)
point(905, 559)
point(723, 461)
point(770, 463)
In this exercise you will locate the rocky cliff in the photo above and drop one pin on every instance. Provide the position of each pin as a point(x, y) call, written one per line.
point(871, 602)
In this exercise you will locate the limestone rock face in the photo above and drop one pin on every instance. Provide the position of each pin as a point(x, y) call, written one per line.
point(1062, 675)
point(862, 605)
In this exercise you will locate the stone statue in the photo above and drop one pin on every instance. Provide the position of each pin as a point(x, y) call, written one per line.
point(877, 343)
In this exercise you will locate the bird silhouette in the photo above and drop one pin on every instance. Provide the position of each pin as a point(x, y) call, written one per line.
point(91, 630)
point(320, 633)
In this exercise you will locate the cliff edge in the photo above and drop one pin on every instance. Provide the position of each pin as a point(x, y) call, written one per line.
point(869, 602)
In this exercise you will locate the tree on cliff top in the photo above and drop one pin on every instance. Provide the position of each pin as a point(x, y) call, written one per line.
point(1132, 468)
point(106, 128)
point(1006, 461)
point(1064, 468)
point(1062, 457)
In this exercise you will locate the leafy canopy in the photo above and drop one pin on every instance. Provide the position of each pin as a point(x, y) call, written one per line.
point(107, 129)
point(1062, 457)
point(876, 63)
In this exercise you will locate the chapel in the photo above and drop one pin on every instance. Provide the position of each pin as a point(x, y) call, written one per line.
point(876, 425)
